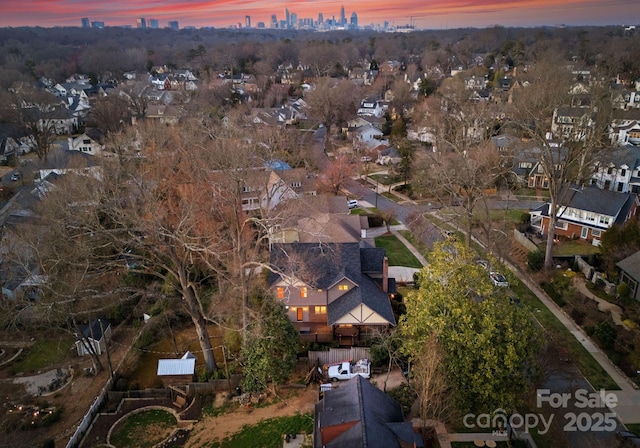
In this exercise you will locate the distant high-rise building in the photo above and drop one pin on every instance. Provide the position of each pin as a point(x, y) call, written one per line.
point(274, 21)
point(294, 20)
point(141, 23)
point(85, 22)
point(153, 23)
point(343, 19)
point(320, 19)
point(354, 20)
point(287, 18)
point(247, 21)
point(97, 24)
point(174, 25)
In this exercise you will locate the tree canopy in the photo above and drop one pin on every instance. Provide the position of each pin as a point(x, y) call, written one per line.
point(486, 342)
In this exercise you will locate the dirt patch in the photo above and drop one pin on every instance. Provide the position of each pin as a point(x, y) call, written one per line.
point(293, 401)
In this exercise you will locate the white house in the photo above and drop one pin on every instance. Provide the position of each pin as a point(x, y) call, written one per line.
point(618, 170)
point(87, 143)
point(97, 334)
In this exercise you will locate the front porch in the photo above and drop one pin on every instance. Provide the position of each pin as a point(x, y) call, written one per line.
point(345, 335)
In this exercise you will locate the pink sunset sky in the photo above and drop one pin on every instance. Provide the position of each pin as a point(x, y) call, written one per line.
point(432, 14)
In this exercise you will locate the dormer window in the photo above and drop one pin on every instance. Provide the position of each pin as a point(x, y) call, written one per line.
point(343, 287)
point(623, 172)
point(303, 293)
point(296, 184)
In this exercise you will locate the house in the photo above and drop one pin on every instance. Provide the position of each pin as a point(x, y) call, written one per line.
point(388, 155)
point(475, 83)
point(367, 135)
point(177, 372)
point(332, 291)
point(618, 170)
point(97, 334)
point(89, 142)
point(371, 106)
point(625, 128)
point(265, 188)
point(571, 122)
point(630, 274)
point(358, 414)
point(586, 212)
point(165, 114)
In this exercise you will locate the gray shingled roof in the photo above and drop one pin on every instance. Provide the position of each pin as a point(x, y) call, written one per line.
point(593, 199)
point(631, 265)
point(376, 418)
point(322, 265)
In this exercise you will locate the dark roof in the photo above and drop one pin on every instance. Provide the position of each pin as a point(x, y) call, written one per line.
point(322, 265)
point(369, 417)
point(593, 199)
point(631, 265)
point(625, 155)
point(94, 330)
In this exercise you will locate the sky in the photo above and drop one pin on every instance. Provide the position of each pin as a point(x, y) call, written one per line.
point(424, 14)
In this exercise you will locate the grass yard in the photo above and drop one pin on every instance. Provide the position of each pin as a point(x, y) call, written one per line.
point(572, 247)
point(145, 429)
point(44, 353)
point(397, 252)
point(415, 242)
point(268, 433)
point(385, 179)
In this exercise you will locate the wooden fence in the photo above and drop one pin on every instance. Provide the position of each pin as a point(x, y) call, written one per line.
point(338, 355)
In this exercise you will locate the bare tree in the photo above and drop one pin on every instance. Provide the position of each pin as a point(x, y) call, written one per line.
point(336, 174)
point(567, 156)
point(36, 115)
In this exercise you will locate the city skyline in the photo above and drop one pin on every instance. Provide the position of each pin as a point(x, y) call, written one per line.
point(433, 14)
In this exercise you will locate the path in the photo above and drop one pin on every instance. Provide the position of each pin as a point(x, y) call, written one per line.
point(604, 306)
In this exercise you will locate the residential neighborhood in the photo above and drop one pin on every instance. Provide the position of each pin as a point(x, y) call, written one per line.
point(195, 236)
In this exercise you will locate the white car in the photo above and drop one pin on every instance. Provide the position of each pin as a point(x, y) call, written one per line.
point(352, 203)
point(498, 279)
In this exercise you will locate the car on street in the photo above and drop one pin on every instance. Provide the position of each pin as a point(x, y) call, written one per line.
point(16, 176)
point(365, 159)
point(498, 279)
point(352, 203)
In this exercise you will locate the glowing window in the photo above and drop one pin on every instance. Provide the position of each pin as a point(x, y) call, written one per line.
point(299, 315)
point(303, 293)
point(280, 292)
point(343, 287)
point(320, 310)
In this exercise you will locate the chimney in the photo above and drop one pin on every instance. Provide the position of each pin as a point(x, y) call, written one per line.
point(385, 275)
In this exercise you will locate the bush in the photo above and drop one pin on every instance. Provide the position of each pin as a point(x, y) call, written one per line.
point(375, 220)
point(535, 260)
point(606, 334)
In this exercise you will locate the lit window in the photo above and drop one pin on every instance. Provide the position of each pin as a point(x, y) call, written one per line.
point(343, 287)
point(320, 310)
point(299, 315)
point(303, 293)
point(280, 291)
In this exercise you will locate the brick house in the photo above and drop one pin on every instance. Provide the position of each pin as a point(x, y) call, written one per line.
point(586, 212)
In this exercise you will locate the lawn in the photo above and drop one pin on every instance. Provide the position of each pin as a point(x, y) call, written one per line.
point(415, 242)
point(44, 353)
point(397, 252)
point(268, 433)
point(572, 247)
point(144, 429)
point(385, 179)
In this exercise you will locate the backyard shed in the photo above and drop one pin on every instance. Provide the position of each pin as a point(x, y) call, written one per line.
point(176, 372)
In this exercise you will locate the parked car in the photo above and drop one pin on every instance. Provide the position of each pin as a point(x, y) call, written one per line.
point(16, 176)
point(365, 159)
point(498, 279)
point(352, 203)
point(346, 370)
